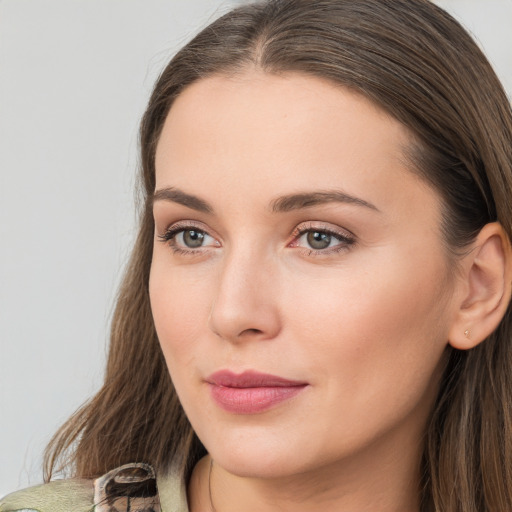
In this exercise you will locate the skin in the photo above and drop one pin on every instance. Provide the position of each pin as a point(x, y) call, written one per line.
point(365, 322)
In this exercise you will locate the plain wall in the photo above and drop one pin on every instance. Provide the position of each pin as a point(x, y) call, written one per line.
point(74, 80)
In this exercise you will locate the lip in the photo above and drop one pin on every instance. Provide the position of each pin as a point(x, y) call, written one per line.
point(251, 392)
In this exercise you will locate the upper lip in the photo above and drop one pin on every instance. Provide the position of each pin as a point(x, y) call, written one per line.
point(250, 379)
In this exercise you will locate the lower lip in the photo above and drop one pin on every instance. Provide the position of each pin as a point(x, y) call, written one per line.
point(252, 400)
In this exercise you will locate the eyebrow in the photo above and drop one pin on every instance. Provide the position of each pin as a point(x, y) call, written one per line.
point(176, 195)
point(309, 199)
point(279, 205)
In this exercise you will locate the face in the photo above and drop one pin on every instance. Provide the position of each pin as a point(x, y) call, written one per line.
point(299, 284)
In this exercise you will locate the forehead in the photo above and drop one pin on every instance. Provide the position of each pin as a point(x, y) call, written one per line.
point(269, 105)
point(258, 134)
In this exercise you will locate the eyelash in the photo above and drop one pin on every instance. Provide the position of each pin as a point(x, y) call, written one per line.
point(169, 237)
point(346, 239)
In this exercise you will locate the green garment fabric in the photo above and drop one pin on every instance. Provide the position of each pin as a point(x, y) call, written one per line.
point(81, 495)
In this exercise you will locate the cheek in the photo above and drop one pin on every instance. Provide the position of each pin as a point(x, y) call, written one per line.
point(374, 342)
point(180, 308)
point(375, 327)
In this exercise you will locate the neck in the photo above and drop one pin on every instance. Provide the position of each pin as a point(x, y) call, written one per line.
point(376, 480)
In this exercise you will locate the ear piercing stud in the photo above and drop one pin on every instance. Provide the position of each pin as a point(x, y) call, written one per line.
point(466, 333)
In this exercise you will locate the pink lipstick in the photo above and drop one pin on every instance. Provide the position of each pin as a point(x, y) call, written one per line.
point(251, 392)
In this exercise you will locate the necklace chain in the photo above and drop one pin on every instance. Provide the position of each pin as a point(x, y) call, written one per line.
point(212, 506)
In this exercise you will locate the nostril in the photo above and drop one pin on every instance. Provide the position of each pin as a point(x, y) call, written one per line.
point(251, 331)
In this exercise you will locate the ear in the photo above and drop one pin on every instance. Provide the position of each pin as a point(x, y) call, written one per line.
point(486, 288)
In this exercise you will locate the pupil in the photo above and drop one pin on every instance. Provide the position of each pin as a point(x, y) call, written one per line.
point(193, 238)
point(318, 240)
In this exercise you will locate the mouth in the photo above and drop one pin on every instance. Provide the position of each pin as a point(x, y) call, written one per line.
point(251, 392)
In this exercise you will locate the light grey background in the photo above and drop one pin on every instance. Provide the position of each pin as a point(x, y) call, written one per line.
point(74, 79)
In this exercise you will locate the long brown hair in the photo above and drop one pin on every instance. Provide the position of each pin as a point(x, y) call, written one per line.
point(416, 62)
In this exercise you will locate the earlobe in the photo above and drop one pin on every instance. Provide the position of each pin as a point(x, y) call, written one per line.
point(487, 275)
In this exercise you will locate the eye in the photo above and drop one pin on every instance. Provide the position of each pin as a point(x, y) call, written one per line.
point(187, 238)
point(322, 239)
point(318, 239)
point(191, 238)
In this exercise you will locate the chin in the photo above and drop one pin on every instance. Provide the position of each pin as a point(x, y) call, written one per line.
point(255, 467)
point(257, 456)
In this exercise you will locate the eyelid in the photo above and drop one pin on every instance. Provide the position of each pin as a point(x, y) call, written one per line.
point(345, 237)
point(170, 232)
point(187, 223)
point(304, 227)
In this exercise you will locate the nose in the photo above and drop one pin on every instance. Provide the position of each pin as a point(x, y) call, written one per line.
point(246, 304)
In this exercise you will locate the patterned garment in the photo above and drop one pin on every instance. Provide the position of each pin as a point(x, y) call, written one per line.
point(129, 488)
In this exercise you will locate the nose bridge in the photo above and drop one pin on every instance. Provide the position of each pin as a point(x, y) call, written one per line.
point(245, 304)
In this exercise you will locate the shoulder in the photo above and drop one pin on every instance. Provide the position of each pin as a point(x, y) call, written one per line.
point(132, 487)
point(58, 496)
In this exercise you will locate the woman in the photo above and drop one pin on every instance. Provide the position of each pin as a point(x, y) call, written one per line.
point(324, 270)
